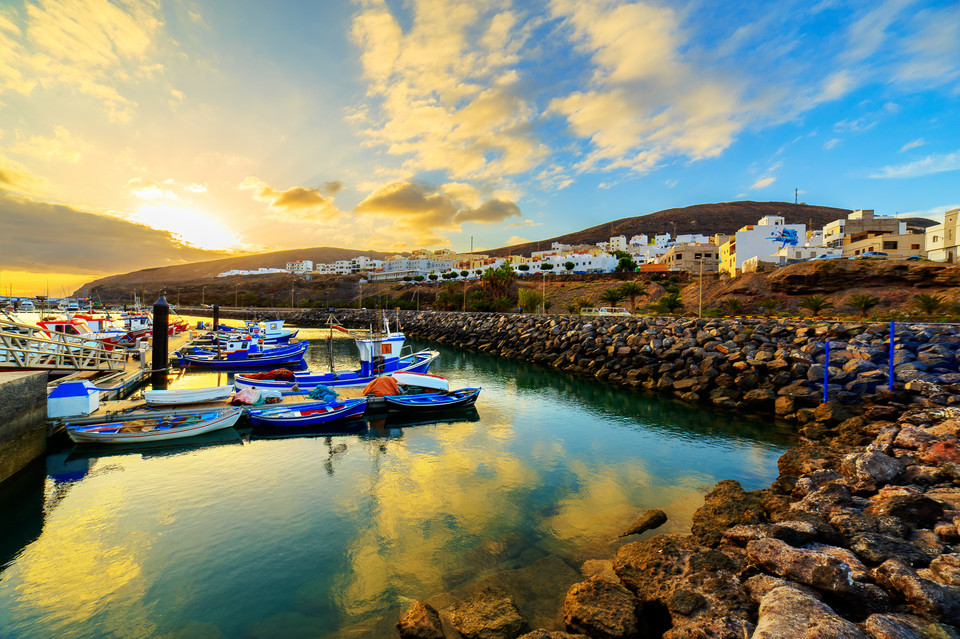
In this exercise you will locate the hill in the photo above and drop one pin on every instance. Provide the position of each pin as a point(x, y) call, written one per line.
point(705, 219)
point(211, 268)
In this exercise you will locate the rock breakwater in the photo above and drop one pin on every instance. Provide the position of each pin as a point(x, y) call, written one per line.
point(858, 537)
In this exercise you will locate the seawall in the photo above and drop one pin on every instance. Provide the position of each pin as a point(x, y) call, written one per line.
point(23, 420)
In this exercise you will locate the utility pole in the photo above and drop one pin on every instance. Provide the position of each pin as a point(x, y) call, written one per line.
point(236, 293)
point(203, 295)
point(795, 192)
point(700, 311)
point(293, 292)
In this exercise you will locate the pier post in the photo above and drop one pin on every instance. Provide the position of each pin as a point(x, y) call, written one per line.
point(216, 317)
point(161, 355)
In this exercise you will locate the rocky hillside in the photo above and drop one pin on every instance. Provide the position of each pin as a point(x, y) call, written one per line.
point(706, 219)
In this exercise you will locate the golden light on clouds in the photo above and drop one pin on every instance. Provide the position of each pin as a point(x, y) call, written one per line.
point(189, 224)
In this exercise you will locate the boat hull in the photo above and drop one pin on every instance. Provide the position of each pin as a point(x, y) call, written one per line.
point(310, 415)
point(289, 355)
point(416, 363)
point(162, 428)
point(187, 396)
point(432, 401)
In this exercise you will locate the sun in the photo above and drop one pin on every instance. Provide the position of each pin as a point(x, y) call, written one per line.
point(188, 224)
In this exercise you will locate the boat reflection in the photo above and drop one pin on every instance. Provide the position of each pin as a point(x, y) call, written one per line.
point(164, 448)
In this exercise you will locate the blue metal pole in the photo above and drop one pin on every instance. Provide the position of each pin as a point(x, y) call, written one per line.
point(892, 333)
point(826, 371)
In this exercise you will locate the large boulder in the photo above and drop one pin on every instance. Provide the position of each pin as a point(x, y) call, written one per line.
point(420, 621)
point(928, 598)
point(787, 613)
point(725, 506)
point(823, 570)
point(648, 520)
point(601, 608)
point(488, 614)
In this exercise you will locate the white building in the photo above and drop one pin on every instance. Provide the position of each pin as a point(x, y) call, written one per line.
point(691, 238)
point(762, 241)
point(639, 240)
point(300, 266)
point(618, 243)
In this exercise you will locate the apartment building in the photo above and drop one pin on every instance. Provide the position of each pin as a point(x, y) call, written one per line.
point(893, 244)
point(941, 240)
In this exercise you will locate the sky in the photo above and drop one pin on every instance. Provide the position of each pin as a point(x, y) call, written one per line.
point(143, 133)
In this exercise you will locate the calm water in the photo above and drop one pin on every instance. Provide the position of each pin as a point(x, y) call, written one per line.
point(257, 536)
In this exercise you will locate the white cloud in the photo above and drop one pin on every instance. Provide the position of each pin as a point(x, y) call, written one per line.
point(926, 166)
point(63, 146)
point(763, 183)
point(912, 144)
point(829, 144)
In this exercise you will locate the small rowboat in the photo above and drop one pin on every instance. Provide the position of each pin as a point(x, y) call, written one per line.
point(187, 395)
point(432, 401)
point(155, 429)
point(309, 415)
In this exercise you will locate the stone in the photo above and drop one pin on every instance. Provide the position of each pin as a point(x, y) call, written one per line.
point(420, 621)
point(810, 567)
point(647, 566)
point(725, 506)
point(874, 549)
point(540, 633)
point(648, 520)
point(925, 596)
point(488, 614)
point(941, 452)
point(875, 465)
point(899, 626)
point(912, 508)
point(913, 438)
point(602, 567)
point(600, 608)
point(833, 412)
point(946, 569)
point(795, 533)
point(787, 613)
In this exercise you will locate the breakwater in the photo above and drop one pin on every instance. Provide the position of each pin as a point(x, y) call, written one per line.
point(858, 537)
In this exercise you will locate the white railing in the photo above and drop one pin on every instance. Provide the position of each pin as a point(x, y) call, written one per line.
point(29, 347)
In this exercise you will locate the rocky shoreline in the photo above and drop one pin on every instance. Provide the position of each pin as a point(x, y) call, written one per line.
point(858, 537)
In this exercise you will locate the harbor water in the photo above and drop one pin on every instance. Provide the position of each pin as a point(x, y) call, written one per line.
point(310, 534)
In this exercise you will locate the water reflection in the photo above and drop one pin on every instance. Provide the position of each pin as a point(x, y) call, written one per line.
point(307, 532)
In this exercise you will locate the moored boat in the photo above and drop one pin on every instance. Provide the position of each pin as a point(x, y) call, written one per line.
point(308, 415)
point(432, 401)
point(187, 395)
point(378, 356)
point(241, 355)
point(155, 429)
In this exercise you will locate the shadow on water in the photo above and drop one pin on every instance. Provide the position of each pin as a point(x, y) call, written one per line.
point(21, 505)
point(651, 411)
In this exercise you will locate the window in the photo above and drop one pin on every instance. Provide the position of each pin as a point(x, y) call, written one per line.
point(890, 246)
point(915, 247)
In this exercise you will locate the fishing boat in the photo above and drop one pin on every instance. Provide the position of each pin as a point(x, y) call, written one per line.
point(432, 401)
point(243, 354)
point(379, 355)
point(154, 429)
point(308, 415)
point(187, 395)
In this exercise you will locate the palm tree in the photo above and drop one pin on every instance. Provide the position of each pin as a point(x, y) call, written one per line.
point(633, 290)
point(770, 305)
point(612, 296)
point(863, 303)
point(733, 305)
point(928, 303)
point(815, 304)
point(669, 303)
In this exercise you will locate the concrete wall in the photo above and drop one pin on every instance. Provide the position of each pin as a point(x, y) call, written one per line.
point(23, 419)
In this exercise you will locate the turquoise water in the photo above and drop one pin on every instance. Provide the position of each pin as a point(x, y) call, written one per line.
point(246, 535)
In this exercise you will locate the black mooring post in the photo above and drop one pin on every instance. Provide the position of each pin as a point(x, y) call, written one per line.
point(216, 317)
point(161, 318)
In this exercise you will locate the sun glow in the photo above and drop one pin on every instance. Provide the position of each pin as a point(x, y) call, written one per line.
point(190, 225)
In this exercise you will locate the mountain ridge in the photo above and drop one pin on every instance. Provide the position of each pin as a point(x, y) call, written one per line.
point(705, 219)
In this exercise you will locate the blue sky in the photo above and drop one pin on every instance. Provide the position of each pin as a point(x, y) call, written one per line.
point(176, 129)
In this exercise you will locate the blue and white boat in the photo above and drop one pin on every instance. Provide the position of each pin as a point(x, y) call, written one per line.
point(272, 332)
point(154, 429)
point(309, 414)
point(378, 356)
point(242, 354)
point(432, 401)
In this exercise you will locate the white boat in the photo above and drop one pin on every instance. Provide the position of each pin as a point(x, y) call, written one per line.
point(155, 429)
point(422, 380)
point(187, 395)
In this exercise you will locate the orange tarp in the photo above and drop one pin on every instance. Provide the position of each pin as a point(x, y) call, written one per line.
point(381, 386)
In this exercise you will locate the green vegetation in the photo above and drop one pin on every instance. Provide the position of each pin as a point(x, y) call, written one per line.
point(815, 304)
point(612, 296)
point(928, 303)
point(863, 303)
point(633, 290)
point(668, 303)
point(523, 267)
point(530, 300)
point(569, 266)
point(733, 304)
point(580, 303)
point(770, 305)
